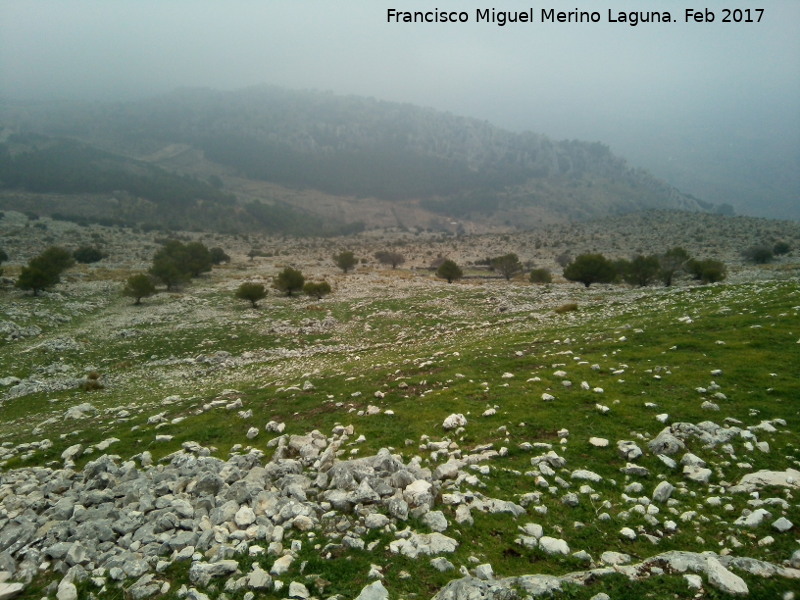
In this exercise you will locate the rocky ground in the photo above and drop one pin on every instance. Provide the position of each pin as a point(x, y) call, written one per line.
point(402, 438)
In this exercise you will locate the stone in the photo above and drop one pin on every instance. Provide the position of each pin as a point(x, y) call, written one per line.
point(373, 591)
point(244, 517)
point(722, 579)
point(598, 442)
point(552, 545)
point(281, 566)
point(201, 573)
point(454, 421)
point(298, 591)
point(435, 520)
point(662, 492)
point(66, 590)
point(783, 524)
point(11, 590)
point(484, 572)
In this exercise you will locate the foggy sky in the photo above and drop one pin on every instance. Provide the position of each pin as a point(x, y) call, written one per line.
point(658, 94)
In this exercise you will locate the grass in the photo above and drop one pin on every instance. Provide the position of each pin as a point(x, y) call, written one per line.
point(429, 352)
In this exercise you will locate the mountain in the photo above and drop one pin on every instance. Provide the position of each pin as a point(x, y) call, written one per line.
point(306, 162)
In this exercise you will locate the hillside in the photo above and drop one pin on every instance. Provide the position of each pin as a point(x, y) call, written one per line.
point(346, 161)
point(485, 439)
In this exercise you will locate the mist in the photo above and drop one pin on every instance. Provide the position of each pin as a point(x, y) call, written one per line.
point(712, 107)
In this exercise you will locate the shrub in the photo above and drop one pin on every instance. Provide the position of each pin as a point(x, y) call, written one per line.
point(641, 271)
point(758, 254)
point(781, 248)
point(88, 254)
point(450, 271)
point(565, 308)
point(3, 258)
point(317, 290)
point(252, 292)
point(289, 280)
point(541, 276)
point(708, 270)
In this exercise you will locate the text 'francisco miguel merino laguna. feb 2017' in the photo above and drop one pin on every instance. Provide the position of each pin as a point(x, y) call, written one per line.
point(551, 15)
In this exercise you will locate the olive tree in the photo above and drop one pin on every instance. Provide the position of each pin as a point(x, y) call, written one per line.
point(252, 292)
point(139, 286)
point(289, 280)
point(590, 268)
point(507, 265)
point(450, 271)
point(345, 260)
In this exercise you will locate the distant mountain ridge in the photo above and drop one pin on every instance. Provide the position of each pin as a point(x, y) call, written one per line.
point(432, 167)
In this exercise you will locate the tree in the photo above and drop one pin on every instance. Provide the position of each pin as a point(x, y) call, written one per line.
point(345, 260)
point(45, 270)
point(641, 271)
point(450, 271)
point(139, 286)
point(540, 276)
point(3, 258)
point(507, 265)
point(759, 255)
point(218, 256)
point(88, 254)
point(197, 258)
point(390, 258)
point(708, 270)
point(670, 263)
point(317, 290)
point(289, 280)
point(252, 292)
point(590, 268)
point(166, 269)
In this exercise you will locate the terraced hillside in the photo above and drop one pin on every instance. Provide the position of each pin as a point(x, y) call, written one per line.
point(402, 438)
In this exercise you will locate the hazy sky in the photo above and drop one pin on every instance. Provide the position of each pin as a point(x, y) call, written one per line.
point(656, 93)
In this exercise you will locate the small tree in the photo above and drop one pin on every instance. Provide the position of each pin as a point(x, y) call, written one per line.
point(541, 276)
point(670, 263)
point(345, 260)
point(88, 254)
point(289, 280)
point(139, 286)
point(197, 258)
point(317, 290)
point(450, 271)
point(252, 292)
point(641, 271)
point(390, 258)
point(590, 268)
point(45, 270)
point(507, 265)
point(166, 270)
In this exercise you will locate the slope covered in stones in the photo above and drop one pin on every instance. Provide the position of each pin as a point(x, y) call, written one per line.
point(402, 436)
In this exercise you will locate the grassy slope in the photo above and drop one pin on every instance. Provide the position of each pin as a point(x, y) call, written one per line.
point(455, 347)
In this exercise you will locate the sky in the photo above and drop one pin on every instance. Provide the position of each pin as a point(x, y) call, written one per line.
point(666, 96)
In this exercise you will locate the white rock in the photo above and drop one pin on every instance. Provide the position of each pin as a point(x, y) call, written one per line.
point(598, 442)
point(783, 524)
point(454, 421)
point(548, 397)
point(724, 580)
point(252, 433)
point(553, 545)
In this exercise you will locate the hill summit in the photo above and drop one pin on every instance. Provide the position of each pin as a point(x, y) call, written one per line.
point(302, 161)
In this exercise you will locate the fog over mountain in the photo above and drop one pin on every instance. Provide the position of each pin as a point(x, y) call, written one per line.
point(711, 107)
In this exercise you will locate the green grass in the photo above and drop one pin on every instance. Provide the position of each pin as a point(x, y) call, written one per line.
point(431, 352)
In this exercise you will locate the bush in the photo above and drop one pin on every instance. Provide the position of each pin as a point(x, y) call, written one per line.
point(218, 256)
point(670, 263)
point(781, 248)
point(289, 280)
point(759, 255)
point(390, 258)
point(317, 290)
point(565, 308)
point(541, 276)
point(707, 271)
point(252, 292)
point(641, 271)
point(450, 271)
point(3, 258)
point(88, 254)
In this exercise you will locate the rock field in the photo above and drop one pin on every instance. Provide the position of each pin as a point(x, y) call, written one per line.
point(401, 438)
